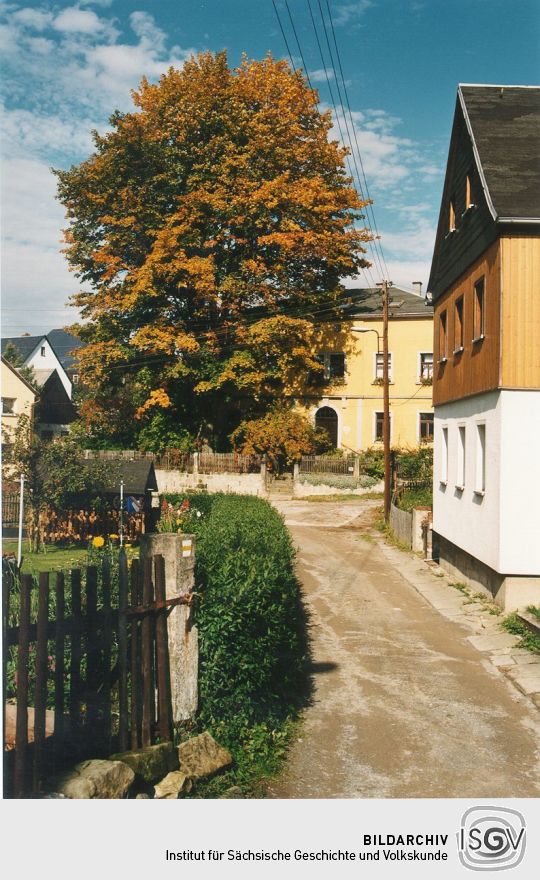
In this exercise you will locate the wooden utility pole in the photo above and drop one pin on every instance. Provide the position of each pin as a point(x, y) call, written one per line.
point(385, 286)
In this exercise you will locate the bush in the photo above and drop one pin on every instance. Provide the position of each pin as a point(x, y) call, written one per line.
point(284, 436)
point(252, 639)
point(339, 481)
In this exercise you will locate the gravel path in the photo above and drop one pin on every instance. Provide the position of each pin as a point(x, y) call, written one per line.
point(404, 705)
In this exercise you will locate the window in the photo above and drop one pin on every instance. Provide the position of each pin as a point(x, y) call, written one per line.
point(480, 475)
point(468, 194)
point(444, 456)
point(75, 378)
point(379, 367)
point(458, 326)
point(335, 366)
point(452, 216)
point(8, 406)
point(42, 352)
point(426, 366)
point(379, 427)
point(478, 318)
point(426, 427)
point(460, 476)
point(443, 338)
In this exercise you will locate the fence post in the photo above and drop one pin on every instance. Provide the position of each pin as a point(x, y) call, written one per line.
point(178, 552)
point(263, 474)
point(195, 462)
point(356, 465)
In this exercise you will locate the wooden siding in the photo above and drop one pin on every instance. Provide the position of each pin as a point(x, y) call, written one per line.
point(520, 263)
point(476, 368)
point(475, 228)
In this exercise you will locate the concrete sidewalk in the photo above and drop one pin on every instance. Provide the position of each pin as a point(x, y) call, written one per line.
point(405, 704)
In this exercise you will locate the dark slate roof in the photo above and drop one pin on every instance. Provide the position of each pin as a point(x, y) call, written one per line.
point(504, 122)
point(367, 301)
point(138, 476)
point(25, 345)
point(64, 344)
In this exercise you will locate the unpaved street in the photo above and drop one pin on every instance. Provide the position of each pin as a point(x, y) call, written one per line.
point(403, 704)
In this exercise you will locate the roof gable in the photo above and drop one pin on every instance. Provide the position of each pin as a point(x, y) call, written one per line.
point(18, 375)
point(504, 126)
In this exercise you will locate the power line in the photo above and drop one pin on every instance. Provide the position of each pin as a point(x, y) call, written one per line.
point(306, 72)
point(282, 29)
point(355, 135)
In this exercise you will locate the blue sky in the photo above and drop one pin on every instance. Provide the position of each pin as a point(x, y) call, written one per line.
point(67, 66)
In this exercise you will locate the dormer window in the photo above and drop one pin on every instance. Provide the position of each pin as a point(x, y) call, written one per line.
point(452, 216)
point(469, 202)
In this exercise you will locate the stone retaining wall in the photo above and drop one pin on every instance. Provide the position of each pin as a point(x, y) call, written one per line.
point(240, 484)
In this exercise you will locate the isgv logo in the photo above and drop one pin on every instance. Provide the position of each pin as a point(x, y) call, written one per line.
point(491, 838)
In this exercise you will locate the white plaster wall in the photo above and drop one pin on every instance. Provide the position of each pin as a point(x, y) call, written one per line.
point(470, 521)
point(520, 483)
point(48, 361)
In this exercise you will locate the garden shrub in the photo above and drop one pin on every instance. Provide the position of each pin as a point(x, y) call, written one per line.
point(339, 481)
point(250, 617)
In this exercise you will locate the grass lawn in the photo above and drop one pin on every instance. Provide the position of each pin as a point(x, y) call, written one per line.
point(52, 558)
point(366, 496)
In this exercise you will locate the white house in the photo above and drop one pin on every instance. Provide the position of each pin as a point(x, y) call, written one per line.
point(485, 283)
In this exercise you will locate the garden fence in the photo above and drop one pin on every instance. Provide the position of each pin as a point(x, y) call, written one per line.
point(190, 462)
point(10, 509)
point(324, 464)
point(86, 662)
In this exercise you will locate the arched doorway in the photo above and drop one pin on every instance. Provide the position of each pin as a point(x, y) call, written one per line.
point(326, 418)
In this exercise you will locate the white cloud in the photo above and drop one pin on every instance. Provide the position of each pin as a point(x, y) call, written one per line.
point(321, 75)
point(79, 21)
point(351, 13)
point(37, 19)
point(151, 37)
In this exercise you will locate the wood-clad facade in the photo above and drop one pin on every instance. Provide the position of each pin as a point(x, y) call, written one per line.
point(520, 311)
point(485, 283)
point(474, 368)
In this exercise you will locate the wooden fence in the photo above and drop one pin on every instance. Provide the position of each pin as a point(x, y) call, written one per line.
point(324, 464)
point(87, 664)
point(189, 462)
point(10, 509)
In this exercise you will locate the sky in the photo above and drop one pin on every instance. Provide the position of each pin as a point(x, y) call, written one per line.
point(67, 66)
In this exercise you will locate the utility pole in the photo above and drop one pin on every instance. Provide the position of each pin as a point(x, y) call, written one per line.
point(385, 286)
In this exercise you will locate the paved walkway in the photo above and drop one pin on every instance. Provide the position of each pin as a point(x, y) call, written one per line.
point(405, 704)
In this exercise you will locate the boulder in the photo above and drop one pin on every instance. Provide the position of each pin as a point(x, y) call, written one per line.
point(150, 763)
point(96, 779)
point(172, 786)
point(202, 756)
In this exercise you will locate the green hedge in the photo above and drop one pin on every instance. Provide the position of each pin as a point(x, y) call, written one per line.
point(252, 633)
point(339, 481)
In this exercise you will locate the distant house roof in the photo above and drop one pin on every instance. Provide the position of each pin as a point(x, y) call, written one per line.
point(367, 301)
point(25, 345)
point(65, 344)
point(138, 476)
point(504, 125)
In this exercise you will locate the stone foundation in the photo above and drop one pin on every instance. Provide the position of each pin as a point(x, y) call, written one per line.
point(509, 591)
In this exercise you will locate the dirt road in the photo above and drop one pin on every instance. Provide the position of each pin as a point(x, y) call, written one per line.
point(403, 704)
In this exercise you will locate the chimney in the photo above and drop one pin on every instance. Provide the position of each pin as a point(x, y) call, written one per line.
point(417, 287)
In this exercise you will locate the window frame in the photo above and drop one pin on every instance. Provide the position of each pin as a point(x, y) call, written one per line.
point(461, 458)
point(479, 310)
point(443, 337)
point(421, 415)
point(421, 377)
point(459, 324)
point(443, 479)
point(380, 413)
point(12, 411)
point(376, 356)
point(480, 460)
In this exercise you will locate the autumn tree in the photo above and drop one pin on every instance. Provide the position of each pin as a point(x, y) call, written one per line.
point(211, 227)
point(282, 435)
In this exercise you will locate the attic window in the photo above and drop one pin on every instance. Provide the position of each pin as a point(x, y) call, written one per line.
point(469, 203)
point(42, 352)
point(452, 216)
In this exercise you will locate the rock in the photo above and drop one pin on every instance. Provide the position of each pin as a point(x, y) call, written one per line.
point(142, 796)
point(171, 787)
point(202, 756)
point(152, 762)
point(96, 779)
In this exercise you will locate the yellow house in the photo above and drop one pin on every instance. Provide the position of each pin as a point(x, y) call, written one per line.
point(18, 398)
point(348, 400)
